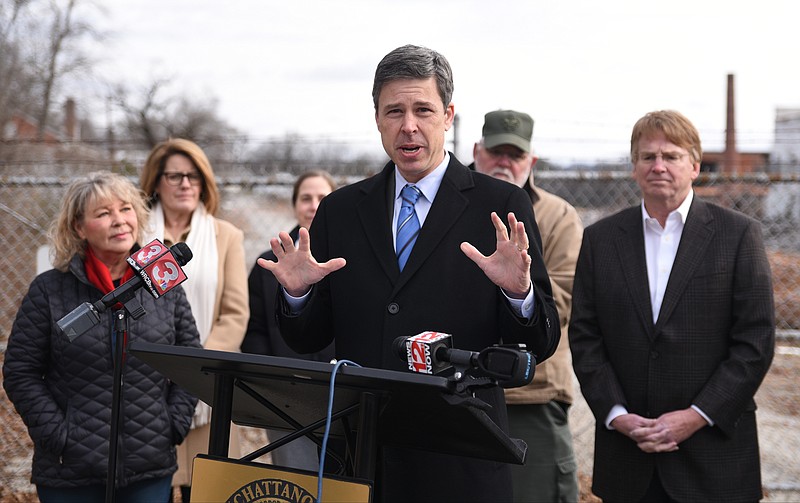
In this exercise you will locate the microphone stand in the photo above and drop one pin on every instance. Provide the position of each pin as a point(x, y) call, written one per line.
point(121, 326)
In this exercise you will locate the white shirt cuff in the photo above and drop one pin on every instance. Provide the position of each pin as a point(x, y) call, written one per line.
point(616, 411)
point(522, 307)
point(703, 415)
point(296, 304)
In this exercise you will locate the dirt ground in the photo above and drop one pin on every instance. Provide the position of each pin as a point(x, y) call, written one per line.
point(778, 415)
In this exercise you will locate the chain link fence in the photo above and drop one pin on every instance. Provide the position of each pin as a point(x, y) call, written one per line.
point(258, 202)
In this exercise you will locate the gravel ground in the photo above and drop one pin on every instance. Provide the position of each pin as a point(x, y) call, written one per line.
point(778, 417)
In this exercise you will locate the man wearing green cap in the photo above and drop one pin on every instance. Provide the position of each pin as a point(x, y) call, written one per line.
point(537, 412)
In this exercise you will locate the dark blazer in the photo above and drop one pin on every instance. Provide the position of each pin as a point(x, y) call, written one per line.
point(711, 346)
point(263, 336)
point(368, 303)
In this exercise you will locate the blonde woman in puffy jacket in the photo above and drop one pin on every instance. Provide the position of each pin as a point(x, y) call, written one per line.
point(63, 390)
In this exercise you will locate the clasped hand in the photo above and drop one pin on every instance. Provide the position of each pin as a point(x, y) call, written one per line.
point(508, 267)
point(662, 434)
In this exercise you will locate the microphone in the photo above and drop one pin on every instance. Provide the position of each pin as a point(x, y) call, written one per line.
point(157, 268)
point(426, 352)
point(433, 353)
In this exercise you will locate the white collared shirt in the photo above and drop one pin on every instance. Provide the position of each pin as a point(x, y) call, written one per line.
point(660, 249)
point(428, 187)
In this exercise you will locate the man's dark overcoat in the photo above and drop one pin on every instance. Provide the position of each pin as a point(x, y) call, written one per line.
point(368, 303)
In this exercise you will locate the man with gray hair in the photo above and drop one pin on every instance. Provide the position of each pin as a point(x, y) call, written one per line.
point(420, 246)
point(538, 412)
point(672, 332)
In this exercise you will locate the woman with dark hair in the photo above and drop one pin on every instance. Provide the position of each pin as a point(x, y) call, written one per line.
point(262, 335)
point(62, 389)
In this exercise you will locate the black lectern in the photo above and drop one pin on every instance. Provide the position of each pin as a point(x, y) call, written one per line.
point(372, 407)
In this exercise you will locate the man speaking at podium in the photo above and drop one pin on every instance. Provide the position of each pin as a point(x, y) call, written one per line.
point(422, 245)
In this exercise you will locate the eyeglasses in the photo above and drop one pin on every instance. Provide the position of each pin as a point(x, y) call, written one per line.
point(176, 179)
point(668, 158)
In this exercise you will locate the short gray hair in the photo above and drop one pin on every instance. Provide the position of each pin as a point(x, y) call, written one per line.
point(414, 62)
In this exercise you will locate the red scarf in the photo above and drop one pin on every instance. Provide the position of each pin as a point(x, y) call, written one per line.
point(98, 274)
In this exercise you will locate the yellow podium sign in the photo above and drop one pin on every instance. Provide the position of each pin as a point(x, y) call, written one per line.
point(234, 481)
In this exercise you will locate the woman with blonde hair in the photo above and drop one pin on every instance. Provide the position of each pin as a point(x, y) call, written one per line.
point(63, 389)
point(179, 182)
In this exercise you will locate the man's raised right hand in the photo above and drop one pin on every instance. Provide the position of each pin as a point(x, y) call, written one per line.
point(296, 268)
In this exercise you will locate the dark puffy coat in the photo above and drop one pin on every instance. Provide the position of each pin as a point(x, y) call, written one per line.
point(63, 390)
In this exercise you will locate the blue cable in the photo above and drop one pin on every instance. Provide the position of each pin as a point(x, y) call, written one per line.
point(328, 425)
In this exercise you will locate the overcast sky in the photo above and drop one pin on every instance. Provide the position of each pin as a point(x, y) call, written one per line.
point(586, 70)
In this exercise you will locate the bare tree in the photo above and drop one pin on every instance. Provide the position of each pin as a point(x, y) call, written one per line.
point(40, 46)
point(16, 79)
point(62, 55)
point(154, 113)
point(294, 153)
point(143, 112)
point(289, 154)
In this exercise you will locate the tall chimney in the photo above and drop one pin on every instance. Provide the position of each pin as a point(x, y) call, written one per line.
point(70, 120)
point(730, 160)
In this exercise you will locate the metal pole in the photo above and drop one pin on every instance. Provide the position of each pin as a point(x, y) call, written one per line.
point(120, 327)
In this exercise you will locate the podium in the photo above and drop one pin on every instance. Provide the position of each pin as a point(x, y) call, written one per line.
point(372, 408)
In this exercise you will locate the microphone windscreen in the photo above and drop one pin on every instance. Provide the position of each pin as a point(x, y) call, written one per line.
point(399, 347)
point(182, 253)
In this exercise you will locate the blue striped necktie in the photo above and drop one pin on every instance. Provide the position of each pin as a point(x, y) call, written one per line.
point(407, 224)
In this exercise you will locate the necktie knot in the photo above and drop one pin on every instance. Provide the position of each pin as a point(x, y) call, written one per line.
point(410, 194)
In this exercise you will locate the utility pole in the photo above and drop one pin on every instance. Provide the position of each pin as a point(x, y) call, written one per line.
point(110, 140)
point(455, 135)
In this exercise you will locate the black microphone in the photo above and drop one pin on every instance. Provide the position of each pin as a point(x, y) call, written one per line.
point(432, 353)
point(158, 269)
